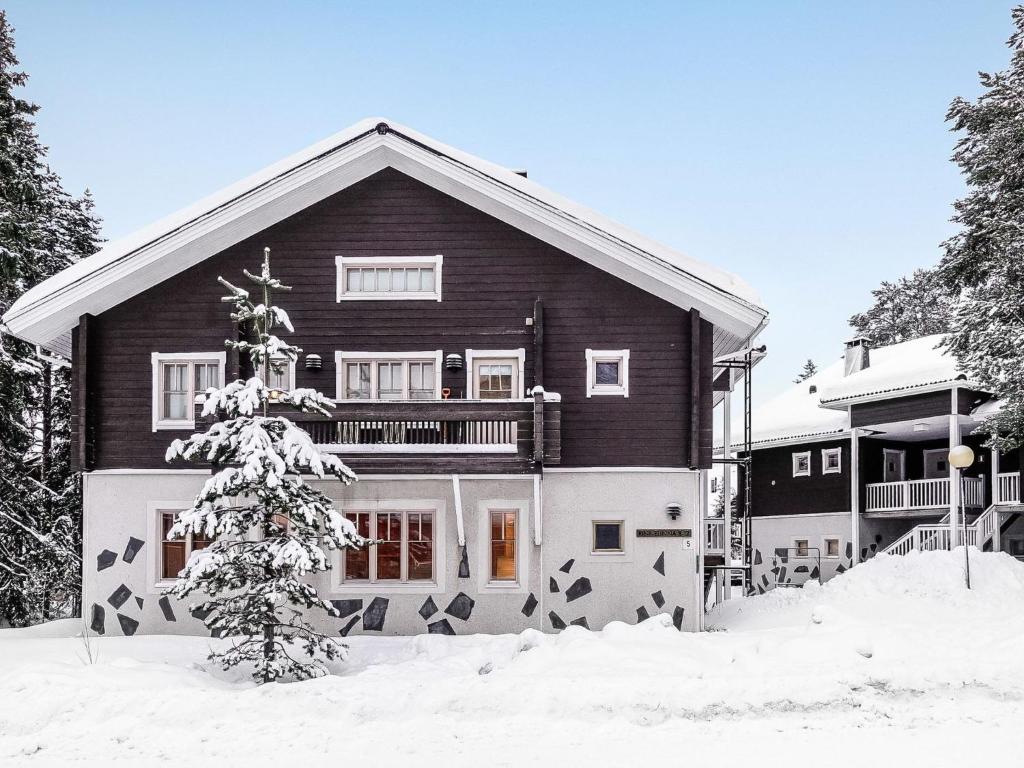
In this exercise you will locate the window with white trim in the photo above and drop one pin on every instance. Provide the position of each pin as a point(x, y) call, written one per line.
point(802, 464)
point(280, 374)
point(389, 376)
point(174, 553)
point(608, 537)
point(801, 547)
point(370, 278)
point(831, 461)
point(403, 552)
point(177, 380)
point(831, 546)
point(607, 372)
point(504, 545)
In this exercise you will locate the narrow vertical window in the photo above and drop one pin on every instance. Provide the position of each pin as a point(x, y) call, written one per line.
point(357, 560)
point(389, 546)
point(420, 554)
point(172, 550)
point(503, 546)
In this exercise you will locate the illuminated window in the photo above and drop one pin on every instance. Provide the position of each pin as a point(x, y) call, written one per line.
point(403, 552)
point(504, 525)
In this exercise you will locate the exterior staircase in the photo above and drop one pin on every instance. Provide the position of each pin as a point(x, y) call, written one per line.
point(936, 536)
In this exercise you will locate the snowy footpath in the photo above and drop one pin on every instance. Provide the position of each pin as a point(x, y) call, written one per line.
point(893, 663)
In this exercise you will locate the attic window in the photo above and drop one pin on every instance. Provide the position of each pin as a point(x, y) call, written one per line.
point(389, 279)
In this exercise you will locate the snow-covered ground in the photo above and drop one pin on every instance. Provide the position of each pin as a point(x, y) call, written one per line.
point(891, 663)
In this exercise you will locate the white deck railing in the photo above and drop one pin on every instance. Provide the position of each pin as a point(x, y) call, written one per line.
point(1008, 488)
point(714, 536)
point(921, 494)
point(930, 537)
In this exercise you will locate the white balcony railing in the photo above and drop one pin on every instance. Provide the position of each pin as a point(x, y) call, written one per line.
point(921, 494)
point(1008, 488)
point(714, 536)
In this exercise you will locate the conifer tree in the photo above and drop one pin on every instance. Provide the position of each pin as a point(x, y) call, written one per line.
point(42, 231)
point(983, 264)
point(809, 370)
point(272, 529)
point(911, 307)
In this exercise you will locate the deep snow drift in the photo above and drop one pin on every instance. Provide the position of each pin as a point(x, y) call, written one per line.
point(894, 660)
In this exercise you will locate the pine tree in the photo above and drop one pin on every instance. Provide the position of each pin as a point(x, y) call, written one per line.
point(983, 263)
point(271, 527)
point(911, 307)
point(42, 231)
point(809, 370)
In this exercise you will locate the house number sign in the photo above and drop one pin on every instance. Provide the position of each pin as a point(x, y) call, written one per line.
point(650, 533)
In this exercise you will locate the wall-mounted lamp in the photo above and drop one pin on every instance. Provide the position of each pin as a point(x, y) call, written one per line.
point(453, 362)
point(314, 362)
point(674, 510)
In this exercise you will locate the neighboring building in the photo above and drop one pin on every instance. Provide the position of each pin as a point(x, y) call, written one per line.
point(853, 462)
point(433, 292)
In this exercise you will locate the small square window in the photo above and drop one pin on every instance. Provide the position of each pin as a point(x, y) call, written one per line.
point(831, 461)
point(802, 464)
point(831, 546)
point(608, 536)
point(607, 372)
point(801, 547)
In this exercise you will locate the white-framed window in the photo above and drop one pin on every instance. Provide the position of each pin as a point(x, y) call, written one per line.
point(801, 547)
point(280, 374)
point(408, 553)
point(608, 537)
point(831, 461)
point(802, 464)
point(607, 372)
point(178, 378)
point(169, 556)
point(830, 546)
point(388, 375)
point(495, 374)
point(504, 545)
point(389, 279)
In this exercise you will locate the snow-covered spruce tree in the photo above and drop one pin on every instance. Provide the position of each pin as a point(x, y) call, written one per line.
point(911, 307)
point(42, 231)
point(983, 263)
point(809, 370)
point(272, 530)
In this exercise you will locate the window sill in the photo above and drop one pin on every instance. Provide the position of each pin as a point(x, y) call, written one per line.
point(390, 297)
point(616, 392)
point(174, 425)
point(386, 588)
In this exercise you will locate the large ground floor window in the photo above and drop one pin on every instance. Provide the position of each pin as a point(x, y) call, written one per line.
point(403, 552)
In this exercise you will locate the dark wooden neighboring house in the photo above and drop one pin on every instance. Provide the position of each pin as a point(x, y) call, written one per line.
point(532, 377)
point(854, 461)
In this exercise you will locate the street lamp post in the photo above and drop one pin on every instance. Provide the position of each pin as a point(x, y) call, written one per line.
point(961, 457)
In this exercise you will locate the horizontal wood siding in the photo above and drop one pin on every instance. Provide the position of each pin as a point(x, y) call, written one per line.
point(910, 408)
point(777, 492)
point(492, 276)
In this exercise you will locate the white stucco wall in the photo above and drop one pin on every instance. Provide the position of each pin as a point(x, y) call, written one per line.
point(777, 532)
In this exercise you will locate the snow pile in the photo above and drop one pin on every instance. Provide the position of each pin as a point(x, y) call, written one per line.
point(895, 651)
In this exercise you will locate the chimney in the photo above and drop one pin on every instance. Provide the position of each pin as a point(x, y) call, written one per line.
point(858, 355)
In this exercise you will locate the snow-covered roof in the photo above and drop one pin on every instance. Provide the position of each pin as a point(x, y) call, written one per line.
point(46, 313)
point(798, 413)
point(912, 365)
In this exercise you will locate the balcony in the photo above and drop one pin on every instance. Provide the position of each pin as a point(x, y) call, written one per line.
point(440, 435)
point(907, 495)
point(1008, 488)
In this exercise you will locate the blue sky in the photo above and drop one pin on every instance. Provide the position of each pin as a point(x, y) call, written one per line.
point(801, 145)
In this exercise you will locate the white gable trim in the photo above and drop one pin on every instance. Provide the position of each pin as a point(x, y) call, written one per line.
point(45, 314)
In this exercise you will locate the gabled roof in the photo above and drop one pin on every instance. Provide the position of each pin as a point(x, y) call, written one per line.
point(46, 314)
point(897, 370)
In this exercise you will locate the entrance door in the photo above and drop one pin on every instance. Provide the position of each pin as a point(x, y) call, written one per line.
point(895, 464)
point(495, 379)
point(936, 463)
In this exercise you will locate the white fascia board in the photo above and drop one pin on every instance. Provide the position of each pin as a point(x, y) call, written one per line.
point(842, 403)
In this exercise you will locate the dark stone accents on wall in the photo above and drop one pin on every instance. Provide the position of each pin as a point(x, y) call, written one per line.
point(658, 598)
point(849, 549)
point(642, 614)
point(441, 627)
point(568, 565)
point(347, 607)
point(840, 568)
point(461, 606)
point(138, 601)
point(764, 579)
point(373, 618)
point(530, 605)
point(165, 606)
point(130, 551)
point(105, 559)
point(128, 624)
point(815, 574)
point(801, 569)
point(98, 615)
point(556, 621)
point(578, 589)
point(119, 596)
point(428, 609)
point(580, 622)
point(348, 627)
point(200, 613)
point(659, 564)
point(464, 565)
point(677, 617)
point(757, 557)
point(552, 585)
